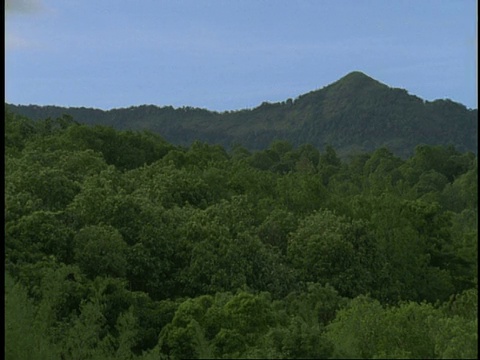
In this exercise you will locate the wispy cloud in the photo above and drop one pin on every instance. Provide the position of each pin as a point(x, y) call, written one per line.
point(15, 42)
point(18, 15)
point(23, 6)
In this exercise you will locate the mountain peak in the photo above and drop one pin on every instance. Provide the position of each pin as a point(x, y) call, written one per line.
point(356, 78)
point(355, 75)
point(354, 83)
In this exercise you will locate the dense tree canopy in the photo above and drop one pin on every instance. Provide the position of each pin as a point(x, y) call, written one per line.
point(119, 245)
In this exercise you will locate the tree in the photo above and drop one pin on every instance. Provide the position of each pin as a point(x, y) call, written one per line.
point(18, 131)
point(327, 248)
point(184, 337)
point(367, 330)
point(301, 193)
point(100, 250)
point(329, 164)
point(382, 171)
point(355, 330)
point(96, 201)
point(160, 253)
point(308, 158)
point(23, 337)
point(87, 338)
point(276, 227)
point(36, 235)
point(36, 174)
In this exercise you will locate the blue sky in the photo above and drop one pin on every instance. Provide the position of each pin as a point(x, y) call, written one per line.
point(233, 54)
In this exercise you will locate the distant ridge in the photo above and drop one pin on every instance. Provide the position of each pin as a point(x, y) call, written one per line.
point(354, 114)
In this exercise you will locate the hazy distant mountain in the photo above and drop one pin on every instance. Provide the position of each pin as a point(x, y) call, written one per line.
point(354, 114)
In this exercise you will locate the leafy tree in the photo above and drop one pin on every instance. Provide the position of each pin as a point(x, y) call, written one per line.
point(382, 171)
point(314, 303)
point(356, 329)
point(87, 337)
point(456, 338)
point(264, 160)
point(100, 251)
point(38, 234)
point(23, 337)
point(365, 329)
point(301, 193)
point(276, 228)
point(238, 152)
point(308, 158)
point(203, 155)
point(462, 193)
point(161, 252)
point(442, 159)
point(329, 164)
point(18, 130)
point(184, 337)
point(324, 249)
point(128, 329)
point(430, 182)
point(152, 316)
point(96, 201)
point(35, 175)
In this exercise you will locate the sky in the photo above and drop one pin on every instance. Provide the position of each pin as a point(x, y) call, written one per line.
point(233, 54)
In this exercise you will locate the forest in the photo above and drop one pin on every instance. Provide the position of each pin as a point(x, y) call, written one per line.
point(355, 114)
point(121, 245)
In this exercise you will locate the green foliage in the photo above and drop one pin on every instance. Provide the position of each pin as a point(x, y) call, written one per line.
point(22, 336)
point(95, 202)
point(100, 251)
point(35, 176)
point(367, 330)
point(328, 248)
point(183, 337)
point(354, 114)
point(222, 326)
point(381, 170)
point(456, 338)
point(119, 245)
point(18, 130)
point(275, 229)
point(301, 193)
point(86, 337)
point(39, 234)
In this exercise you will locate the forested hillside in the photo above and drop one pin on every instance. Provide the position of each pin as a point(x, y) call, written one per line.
point(355, 114)
point(122, 245)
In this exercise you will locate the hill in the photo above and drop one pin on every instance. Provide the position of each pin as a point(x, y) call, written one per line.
point(354, 114)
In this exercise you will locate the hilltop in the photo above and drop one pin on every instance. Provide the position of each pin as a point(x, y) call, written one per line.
point(354, 114)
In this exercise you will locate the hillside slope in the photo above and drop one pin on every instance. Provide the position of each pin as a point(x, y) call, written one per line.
point(353, 114)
